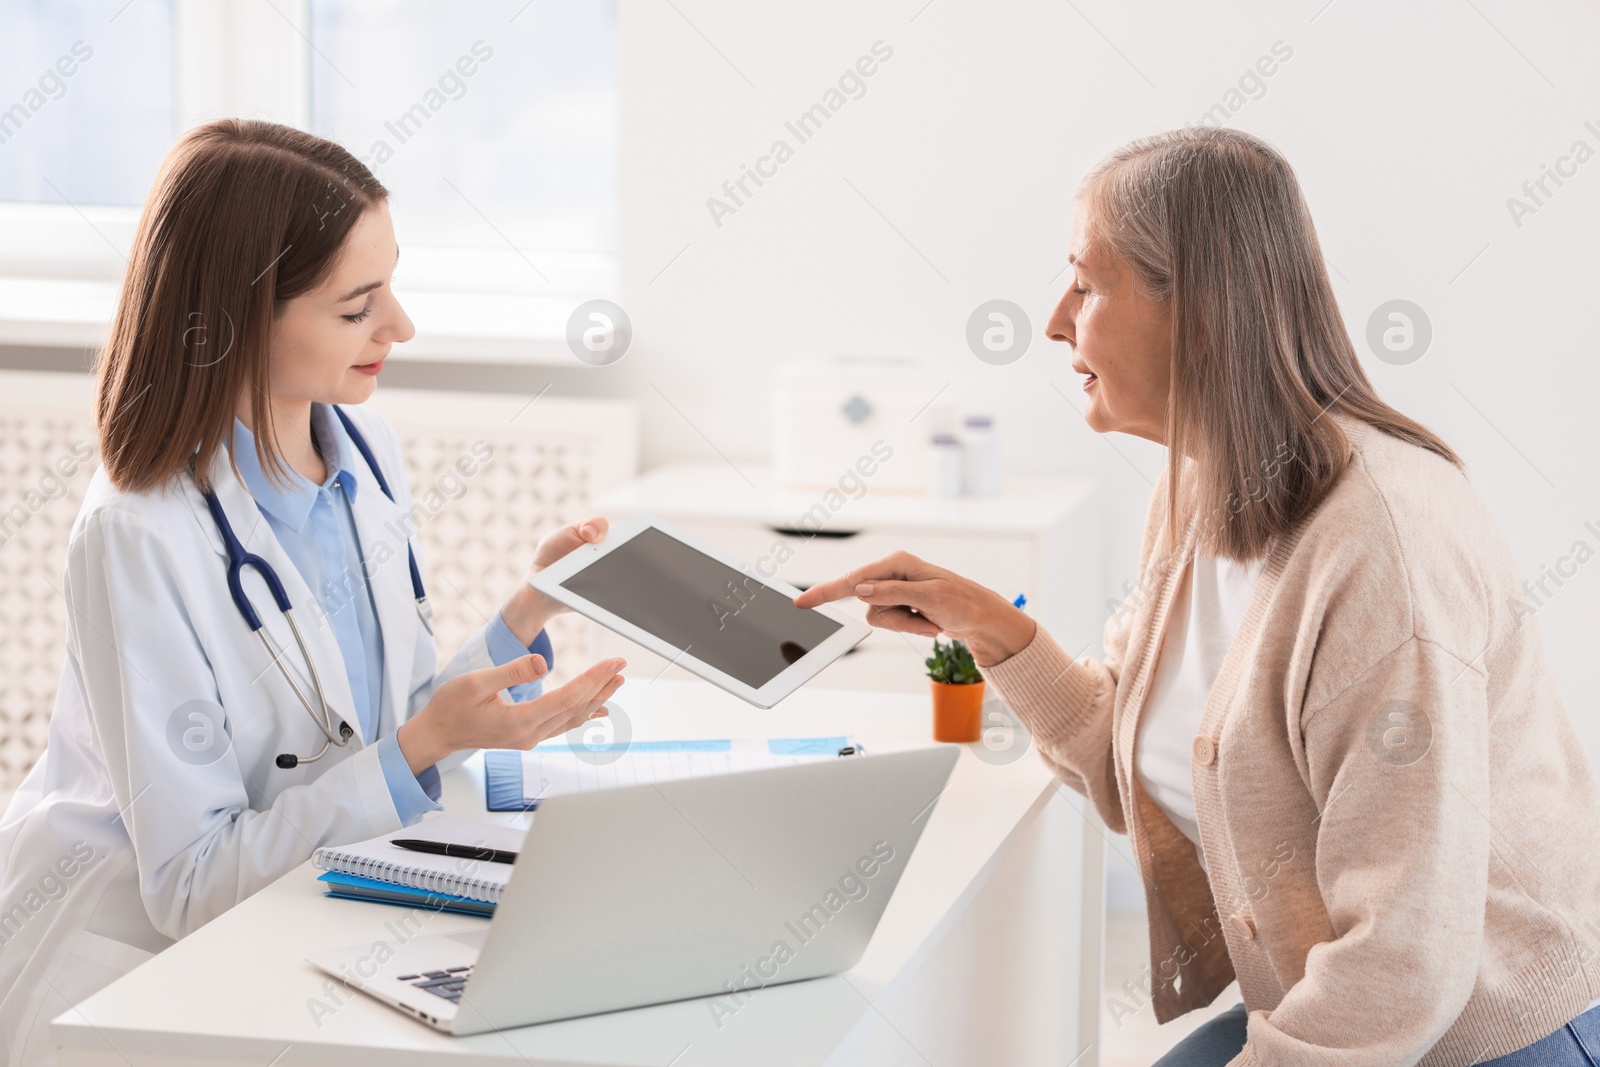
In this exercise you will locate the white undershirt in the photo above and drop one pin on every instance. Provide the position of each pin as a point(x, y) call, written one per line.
point(1206, 611)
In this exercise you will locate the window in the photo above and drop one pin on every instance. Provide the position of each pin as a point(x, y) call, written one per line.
point(70, 131)
point(494, 125)
point(489, 123)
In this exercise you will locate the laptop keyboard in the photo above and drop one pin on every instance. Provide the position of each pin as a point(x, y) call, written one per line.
point(447, 983)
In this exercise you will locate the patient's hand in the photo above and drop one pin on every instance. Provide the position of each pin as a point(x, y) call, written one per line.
point(909, 594)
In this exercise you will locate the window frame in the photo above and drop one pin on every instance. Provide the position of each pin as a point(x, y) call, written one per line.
point(254, 61)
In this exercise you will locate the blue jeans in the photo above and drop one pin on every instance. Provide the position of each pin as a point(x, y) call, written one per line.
point(1576, 1044)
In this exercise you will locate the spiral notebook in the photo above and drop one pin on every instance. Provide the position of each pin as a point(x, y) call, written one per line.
point(372, 891)
point(377, 859)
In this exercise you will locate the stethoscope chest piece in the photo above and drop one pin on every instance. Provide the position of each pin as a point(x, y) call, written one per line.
point(289, 761)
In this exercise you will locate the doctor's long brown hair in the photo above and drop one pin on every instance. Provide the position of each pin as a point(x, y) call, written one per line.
point(244, 216)
point(1213, 220)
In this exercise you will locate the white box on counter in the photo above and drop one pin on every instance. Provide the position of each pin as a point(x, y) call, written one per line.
point(830, 414)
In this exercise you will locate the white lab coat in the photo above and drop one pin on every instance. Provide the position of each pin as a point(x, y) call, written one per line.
point(115, 847)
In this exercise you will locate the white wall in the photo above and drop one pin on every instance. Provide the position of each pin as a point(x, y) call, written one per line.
point(1409, 125)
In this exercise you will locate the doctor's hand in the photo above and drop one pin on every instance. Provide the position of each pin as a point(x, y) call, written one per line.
point(528, 610)
point(908, 594)
point(558, 543)
point(469, 711)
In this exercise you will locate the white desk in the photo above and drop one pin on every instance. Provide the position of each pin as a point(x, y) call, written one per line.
point(989, 951)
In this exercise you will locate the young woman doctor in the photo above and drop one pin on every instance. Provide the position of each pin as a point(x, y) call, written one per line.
point(192, 760)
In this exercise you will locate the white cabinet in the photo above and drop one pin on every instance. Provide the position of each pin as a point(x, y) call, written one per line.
point(1043, 537)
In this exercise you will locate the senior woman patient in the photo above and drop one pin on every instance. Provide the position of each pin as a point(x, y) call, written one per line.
point(1323, 718)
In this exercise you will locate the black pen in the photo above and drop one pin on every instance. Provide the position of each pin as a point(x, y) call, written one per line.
point(464, 852)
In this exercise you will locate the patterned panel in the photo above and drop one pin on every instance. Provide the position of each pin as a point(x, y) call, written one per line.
point(478, 531)
point(487, 487)
point(46, 461)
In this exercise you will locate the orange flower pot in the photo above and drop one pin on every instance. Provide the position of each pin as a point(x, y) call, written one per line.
point(957, 711)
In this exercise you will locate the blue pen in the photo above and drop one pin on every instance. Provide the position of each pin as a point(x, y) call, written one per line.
point(1021, 601)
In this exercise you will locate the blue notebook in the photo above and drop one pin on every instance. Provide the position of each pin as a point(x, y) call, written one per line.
point(442, 877)
point(353, 887)
point(517, 781)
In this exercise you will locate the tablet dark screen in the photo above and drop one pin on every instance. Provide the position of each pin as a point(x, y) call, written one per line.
point(719, 615)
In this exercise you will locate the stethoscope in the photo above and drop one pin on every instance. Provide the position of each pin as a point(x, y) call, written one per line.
point(238, 559)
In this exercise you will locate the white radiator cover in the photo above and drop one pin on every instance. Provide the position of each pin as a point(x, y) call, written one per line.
point(545, 461)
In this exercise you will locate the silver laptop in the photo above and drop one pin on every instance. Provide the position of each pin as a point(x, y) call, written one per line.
point(646, 894)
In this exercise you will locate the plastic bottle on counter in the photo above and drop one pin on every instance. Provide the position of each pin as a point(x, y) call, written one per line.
point(944, 466)
point(980, 445)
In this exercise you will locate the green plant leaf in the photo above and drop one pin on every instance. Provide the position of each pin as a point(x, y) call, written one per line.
point(952, 664)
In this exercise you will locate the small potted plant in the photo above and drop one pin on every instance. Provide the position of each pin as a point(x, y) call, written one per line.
point(957, 692)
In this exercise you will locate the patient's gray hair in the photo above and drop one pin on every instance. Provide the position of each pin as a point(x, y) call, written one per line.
point(1213, 220)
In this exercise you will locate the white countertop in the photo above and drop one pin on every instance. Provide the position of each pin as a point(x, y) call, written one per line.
point(1027, 505)
point(239, 989)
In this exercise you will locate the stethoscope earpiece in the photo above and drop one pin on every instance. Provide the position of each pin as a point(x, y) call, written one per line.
point(288, 761)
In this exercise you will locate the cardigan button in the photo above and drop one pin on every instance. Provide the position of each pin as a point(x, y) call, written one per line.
point(1205, 750)
point(1243, 925)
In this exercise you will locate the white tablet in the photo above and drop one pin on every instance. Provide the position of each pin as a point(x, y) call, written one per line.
point(700, 608)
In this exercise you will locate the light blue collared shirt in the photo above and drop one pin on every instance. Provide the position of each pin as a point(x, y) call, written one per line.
point(317, 529)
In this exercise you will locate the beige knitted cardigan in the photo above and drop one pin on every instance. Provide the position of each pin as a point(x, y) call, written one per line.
point(1401, 825)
